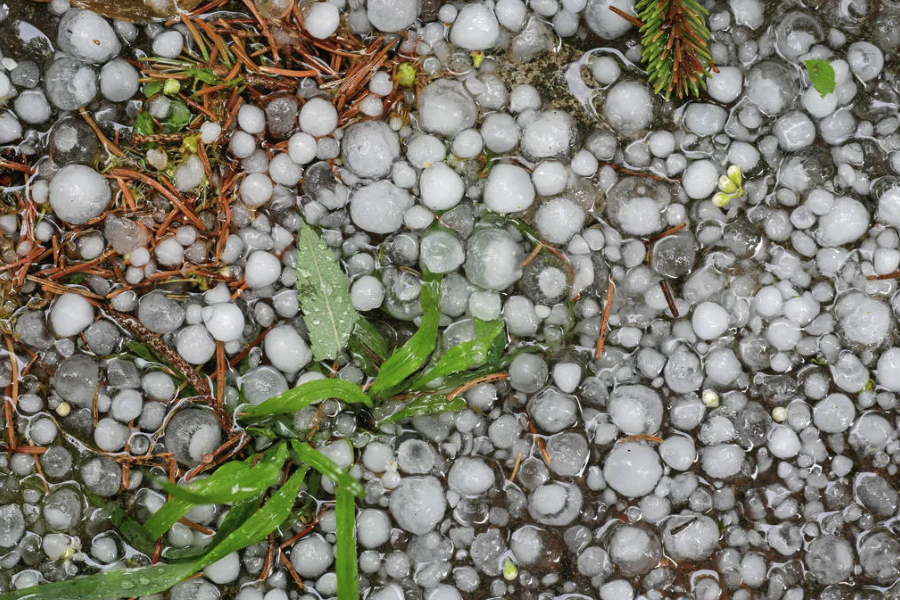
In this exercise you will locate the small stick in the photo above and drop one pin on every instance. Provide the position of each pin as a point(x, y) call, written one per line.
point(640, 438)
point(539, 440)
point(270, 557)
point(633, 20)
point(171, 196)
point(470, 384)
point(196, 526)
point(893, 275)
point(17, 167)
point(666, 233)
point(515, 470)
point(667, 292)
point(604, 320)
point(534, 253)
point(106, 141)
point(290, 568)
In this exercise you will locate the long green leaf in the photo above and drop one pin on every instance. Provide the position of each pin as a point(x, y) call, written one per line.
point(413, 354)
point(236, 517)
point(309, 393)
point(324, 296)
point(368, 348)
point(111, 584)
point(425, 405)
point(346, 565)
point(466, 355)
point(263, 522)
point(133, 532)
point(327, 467)
point(243, 483)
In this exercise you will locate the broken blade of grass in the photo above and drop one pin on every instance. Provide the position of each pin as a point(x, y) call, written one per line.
point(309, 393)
point(324, 465)
point(412, 355)
point(237, 516)
point(466, 355)
point(425, 405)
point(240, 482)
point(346, 565)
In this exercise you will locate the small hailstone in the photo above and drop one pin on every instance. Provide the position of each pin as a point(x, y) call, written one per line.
point(284, 171)
point(327, 148)
point(88, 36)
point(605, 70)
point(139, 257)
point(550, 178)
point(242, 144)
point(447, 13)
point(710, 398)
point(224, 320)
point(475, 27)
point(262, 269)
point(210, 132)
point(168, 44)
point(779, 414)
point(371, 106)
point(366, 293)
point(71, 314)
point(251, 119)
point(195, 345)
point(418, 217)
point(584, 164)
point(508, 189)
point(467, 143)
point(318, 117)
point(441, 187)
point(158, 159)
point(381, 84)
point(118, 80)
point(78, 194)
point(189, 174)
point(286, 350)
point(302, 148)
point(170, 253)
point(256, 189)
point(321, 19)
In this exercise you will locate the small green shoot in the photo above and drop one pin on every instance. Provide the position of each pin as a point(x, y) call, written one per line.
point(406, 74)
point(821, 74)
point(731, 186)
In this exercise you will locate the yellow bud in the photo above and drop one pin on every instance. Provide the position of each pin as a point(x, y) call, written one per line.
point(727, 185)
point(736, 175)
point(721, 199)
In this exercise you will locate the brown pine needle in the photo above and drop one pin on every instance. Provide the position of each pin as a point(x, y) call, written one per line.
point(515, 471)
point(106, 141)
point(670, 300)
point(633, 20)
point(604, 320)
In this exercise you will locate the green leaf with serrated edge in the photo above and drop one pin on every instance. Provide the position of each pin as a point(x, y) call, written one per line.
point(132, 531)
point(126, 583)
point(204, 75)
point(412, 355)
point(143, 123)
point(308, 393)
point(465, 355)
point(425, 405)
point(324, 465)
point(368, 347)
point(324, 296)
point(261, 523)
point(821, 75)
point(346, 565)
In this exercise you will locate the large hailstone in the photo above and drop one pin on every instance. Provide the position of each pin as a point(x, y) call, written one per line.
point(78, 194)
point(632, 469)
point(88, 36)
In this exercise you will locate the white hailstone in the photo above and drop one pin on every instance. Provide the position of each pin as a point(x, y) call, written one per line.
point(284, 171)
point(256, 189)
point(700, 179)
point(321, 19)
point(605, 23)
point(567, 376)
point(704, 119)
point(418, 504)
point(168, 44)
point(391, 16)
point(508, 189)
point(678, 452)
point(467, 143)
point(318, 117)
point(371, 106)
point(195, 345)
point(835, 413)
point(366, 293)
point(189, 174)
point(550, 178)
point(78, 194)
point(748, 13)
point(169, 253)
point(403, 175)
point(286, 349)
point(417, 217)
point(127, 405)
point(605, 69)
point(373, 528)
point(369, 148)
point(710, 320)
point(242, 144)
point(632, 469)
point(475, 27)
point(888, 370)
point(302, 148)
point(110, 435)
point(71, 314)
point(262, 269)
point(311, 556)
point(557, 220)
point(783, 441)
point(584, 163)
point(500, 132)
point(224, 320)
point(725, 85)
point(440, 187)
point(446, 108)
point(251, 119)
point(629, 107)
point(847, 221)
point(661, 143)
point(31, 107)
point(381, 83)
point(866, 60)
point(118, 80)
point(470, 476)
point(10, 128)
point(768, 302)
point(379, 207)
point(794, 131)
point(818, 105)
point(447, 13)
point(524, 97)
point(423, 150)
point(511, 14)
point(617, 589)
point(783, 334)
point(549, 135)
point(88, 36)
point(224, 570)
point(210, 132)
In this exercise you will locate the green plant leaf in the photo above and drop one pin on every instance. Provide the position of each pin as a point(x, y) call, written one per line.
point(346, 564)
point(466, 355)
point(133, 532)
point(152, 88)
point(179, 116)
point(236, 517)
point(143, 123)
point(309, 393)
point(261, 523)
point(425, 405)
point(203, 74)
point(126, 583)
point(821, 74)
point(324, 296)
point(412, 355)
point(368, 347)
point(324, 465)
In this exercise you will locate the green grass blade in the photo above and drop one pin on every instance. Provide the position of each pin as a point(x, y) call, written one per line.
point(346, 564)
point(413, 354)
point(466, 355)
point(324, 465)
point(425, 405)
point(111, 584)
point(310, 393)
point(133, 532)
point(236, 517)
point(261, 523)
point(239, 485)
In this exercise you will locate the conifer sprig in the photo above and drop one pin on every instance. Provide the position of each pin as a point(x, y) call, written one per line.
point(675, 42)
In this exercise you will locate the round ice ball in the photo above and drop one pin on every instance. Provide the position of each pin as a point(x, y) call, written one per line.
point(78, 194)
